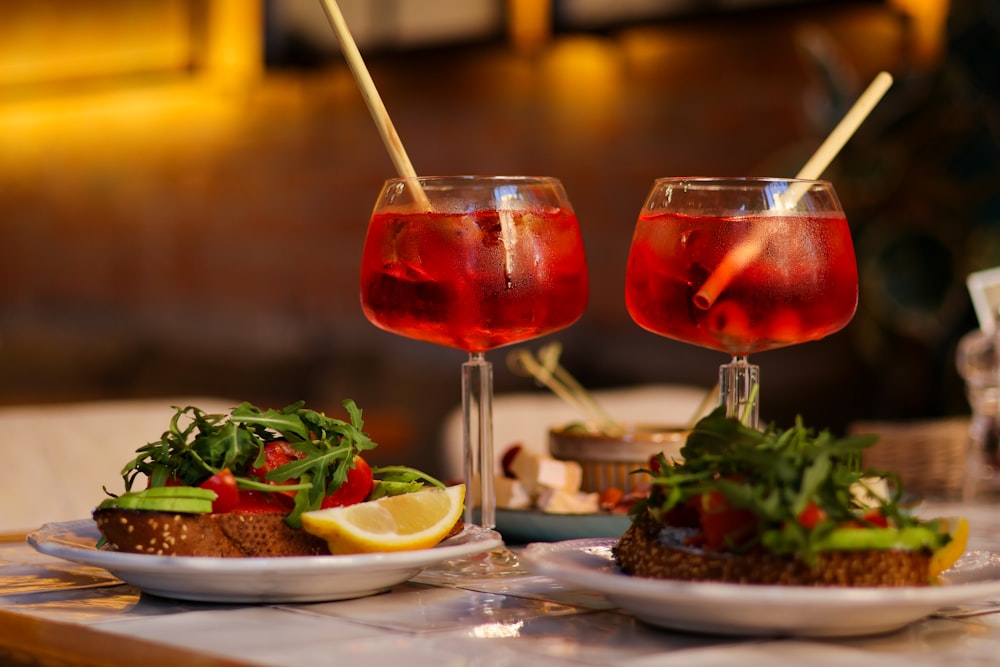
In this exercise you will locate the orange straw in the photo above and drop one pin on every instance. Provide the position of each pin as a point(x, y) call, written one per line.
point(374, 101)
point(737, 260)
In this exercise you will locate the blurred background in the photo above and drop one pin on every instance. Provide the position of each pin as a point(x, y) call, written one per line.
point(185, 186)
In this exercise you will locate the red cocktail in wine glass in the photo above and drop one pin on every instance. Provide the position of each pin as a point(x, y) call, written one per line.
point(742, 265)
point(474, 263)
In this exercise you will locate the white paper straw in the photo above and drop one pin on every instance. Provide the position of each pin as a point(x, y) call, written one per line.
point(380, 115)
point(734, 263)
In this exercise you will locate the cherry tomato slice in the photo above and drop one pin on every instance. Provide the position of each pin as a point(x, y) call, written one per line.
point(276, 454)
point(355, 489)
point(876, 518)
point(722, 524)
point(263, 502)
point(227, 495)
point(811, 515)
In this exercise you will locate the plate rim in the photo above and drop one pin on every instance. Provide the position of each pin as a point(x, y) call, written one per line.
point(43, 539)
point(650, 589)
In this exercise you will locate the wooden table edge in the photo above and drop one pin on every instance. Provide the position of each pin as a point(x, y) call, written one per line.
point(35, 640)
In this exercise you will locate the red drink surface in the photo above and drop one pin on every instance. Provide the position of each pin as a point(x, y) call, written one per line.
point(802, 285)
point(451, 279)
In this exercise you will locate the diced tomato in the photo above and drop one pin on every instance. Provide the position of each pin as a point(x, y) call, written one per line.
point(721, 523)
point(263, 502)
point(875, 517)
point(233, 499)
point(224, 485)
point(276, 454)
point(355, 488)
point(684, 516)
point(812, 515)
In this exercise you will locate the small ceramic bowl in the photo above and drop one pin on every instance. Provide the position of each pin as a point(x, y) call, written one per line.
point(610, 461)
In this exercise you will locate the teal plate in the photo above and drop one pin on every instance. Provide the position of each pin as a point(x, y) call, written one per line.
point(524, 526)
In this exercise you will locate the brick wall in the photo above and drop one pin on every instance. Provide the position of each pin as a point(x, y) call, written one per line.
point(160, 242)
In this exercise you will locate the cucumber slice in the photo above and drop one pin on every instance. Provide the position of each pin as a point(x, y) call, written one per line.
point(175, 492)
point(187, 499)
point(910, 538)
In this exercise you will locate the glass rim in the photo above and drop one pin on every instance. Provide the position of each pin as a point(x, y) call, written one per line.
point(468, 178)
point(738, 180)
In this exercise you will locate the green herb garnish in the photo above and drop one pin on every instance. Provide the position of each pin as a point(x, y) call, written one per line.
point(397, 480)
point(775, 475)
point(199, 445)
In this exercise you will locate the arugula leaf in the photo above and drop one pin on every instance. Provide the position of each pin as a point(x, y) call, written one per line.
point(287, 422)
point(397, 480)
point(405, 474)
point(774, 474)
point(197, 445)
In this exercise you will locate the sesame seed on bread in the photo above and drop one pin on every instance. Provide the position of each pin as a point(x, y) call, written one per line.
point(227, 535)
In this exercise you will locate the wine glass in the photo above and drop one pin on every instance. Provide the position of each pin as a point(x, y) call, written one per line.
point(741, 265)
point(474, 263)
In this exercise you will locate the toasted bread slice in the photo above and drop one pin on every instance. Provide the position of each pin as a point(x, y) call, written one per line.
point(229, 535)
point(641, 553)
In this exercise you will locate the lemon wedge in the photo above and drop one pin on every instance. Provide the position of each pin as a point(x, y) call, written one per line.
point(947, 555)
point(406, 522)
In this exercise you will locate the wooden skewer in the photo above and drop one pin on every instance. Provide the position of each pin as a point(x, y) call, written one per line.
point(547, 371)
point(380, 115)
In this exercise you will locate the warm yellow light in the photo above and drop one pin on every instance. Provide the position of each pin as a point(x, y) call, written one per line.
point(929, 19)
point(529, 23)
point(82, 76)
point(583, 75)
point(86, 123)
point(61, 42)
point(234, 51)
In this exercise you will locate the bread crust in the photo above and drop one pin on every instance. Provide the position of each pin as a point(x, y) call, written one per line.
point(641, 552)
point(227, 535)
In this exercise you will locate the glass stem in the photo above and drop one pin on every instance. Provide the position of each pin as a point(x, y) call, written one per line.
point(477, 423)
point(739, 383)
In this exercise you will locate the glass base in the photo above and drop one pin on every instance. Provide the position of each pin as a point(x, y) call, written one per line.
point(499, 563)
point(495, 564)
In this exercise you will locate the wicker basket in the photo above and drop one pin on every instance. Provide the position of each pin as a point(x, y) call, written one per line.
point(609, 461)
point(928, 455)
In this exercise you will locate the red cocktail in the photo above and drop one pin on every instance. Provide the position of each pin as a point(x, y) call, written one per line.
point(474, 263)
point(742, 266)
point(474, 281)
point(802, 286)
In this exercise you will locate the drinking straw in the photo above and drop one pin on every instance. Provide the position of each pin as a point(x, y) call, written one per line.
point(369, 92)
point(733, 263)
point(850, 123)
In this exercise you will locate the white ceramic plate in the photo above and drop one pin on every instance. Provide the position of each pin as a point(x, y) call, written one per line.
point(288, 579)
point(523, 526)
point(741, 609)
